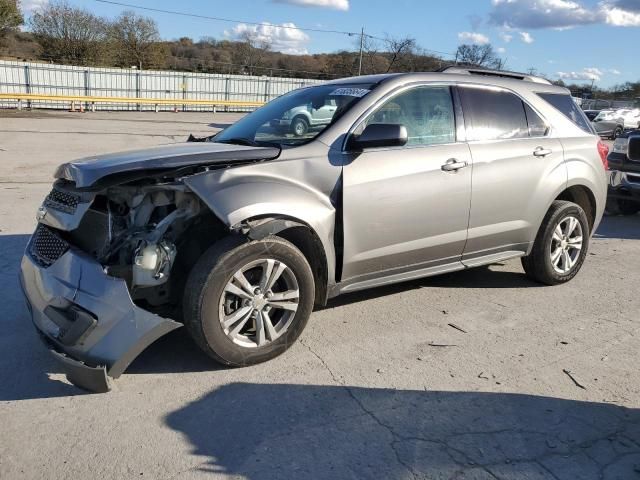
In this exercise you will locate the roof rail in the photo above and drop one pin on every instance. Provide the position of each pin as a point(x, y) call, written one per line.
point(494, 73)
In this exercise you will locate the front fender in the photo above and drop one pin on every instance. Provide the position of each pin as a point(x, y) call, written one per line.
point(235, 195)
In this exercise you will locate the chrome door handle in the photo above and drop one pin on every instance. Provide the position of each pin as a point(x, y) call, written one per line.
point(453, 165)
point(542, 152)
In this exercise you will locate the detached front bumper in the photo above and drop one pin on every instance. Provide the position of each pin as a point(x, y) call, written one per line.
point(87, 318)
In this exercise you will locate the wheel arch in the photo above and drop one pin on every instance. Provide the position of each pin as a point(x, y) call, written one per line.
point(583, 196)
point(304, 115)
point(587, 184)
point(299, 234)
point(261, 206)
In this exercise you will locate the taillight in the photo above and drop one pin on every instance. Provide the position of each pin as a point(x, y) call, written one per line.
point(603, 151)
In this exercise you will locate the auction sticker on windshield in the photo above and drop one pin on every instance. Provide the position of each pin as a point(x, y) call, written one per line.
point(349, 92)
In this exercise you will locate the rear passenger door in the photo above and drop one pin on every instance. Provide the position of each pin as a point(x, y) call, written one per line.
point(517, 166)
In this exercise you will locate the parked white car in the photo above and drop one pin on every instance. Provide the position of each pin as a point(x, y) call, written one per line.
point(631, 118)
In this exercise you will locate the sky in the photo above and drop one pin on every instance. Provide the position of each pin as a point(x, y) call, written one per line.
point(579, 41)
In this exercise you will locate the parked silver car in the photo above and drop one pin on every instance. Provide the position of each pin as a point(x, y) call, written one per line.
point(301, 119)
point(237, 238)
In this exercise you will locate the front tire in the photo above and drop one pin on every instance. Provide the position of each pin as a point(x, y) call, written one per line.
point(617, 132)
point(299, 126)
point(560, 246)
point(247, 302)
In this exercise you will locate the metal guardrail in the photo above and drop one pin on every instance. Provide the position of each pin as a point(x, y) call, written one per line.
point(91, 100)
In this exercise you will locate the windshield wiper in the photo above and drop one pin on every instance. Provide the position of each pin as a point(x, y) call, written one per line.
point(249, 143)
point(239, 141)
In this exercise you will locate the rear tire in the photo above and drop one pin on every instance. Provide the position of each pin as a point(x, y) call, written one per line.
point(560, 246)
point(218, 290)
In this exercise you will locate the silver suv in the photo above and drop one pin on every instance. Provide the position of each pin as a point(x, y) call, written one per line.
point(237, 238)
point(301, 119)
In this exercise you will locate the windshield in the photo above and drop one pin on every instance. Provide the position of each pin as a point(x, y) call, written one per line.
point(295, 118)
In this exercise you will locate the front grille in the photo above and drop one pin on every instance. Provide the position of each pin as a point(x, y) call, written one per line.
point(46, 246)
point(62, 201)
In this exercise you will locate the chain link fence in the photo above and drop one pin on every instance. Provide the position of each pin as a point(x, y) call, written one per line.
point(50, 79)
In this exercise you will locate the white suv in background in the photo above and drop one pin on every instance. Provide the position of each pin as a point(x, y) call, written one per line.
point(631, 118)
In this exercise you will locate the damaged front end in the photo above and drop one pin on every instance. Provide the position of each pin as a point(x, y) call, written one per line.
point(103, 273)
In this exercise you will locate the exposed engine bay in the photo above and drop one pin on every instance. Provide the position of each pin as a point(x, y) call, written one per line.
point(133, 232)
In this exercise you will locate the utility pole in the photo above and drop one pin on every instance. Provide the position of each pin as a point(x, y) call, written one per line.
point(361, 48)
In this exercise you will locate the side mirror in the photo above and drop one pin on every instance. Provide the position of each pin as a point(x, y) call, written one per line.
point(633, 150)
point(379, 135)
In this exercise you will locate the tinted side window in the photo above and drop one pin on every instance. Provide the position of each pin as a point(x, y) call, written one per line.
point(493, 115)
point(537, 126)
point(426, 112)
point(568, 108)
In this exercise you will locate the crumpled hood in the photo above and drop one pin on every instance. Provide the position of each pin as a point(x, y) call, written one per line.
point(88, 171)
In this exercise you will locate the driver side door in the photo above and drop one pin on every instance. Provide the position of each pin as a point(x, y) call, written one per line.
point(404, 210)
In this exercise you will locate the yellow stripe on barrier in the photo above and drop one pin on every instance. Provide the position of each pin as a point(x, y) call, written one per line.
point(148, 101)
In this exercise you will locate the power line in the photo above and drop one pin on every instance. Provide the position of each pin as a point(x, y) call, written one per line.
point(289, 27)
point(220, 19)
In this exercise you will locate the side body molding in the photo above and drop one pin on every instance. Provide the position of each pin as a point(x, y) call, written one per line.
point(237, 195)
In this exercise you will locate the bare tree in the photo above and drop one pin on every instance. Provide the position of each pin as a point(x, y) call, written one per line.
point(69, 34)
point(136, 41)
point(373, 60)
point(479, 56)
point(251, 50)
point(401, 53)
point(10, 16)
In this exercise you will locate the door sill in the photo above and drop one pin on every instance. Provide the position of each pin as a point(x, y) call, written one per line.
point(353, 286)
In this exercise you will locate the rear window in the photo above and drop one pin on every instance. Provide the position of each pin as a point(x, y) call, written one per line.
point(566, 105)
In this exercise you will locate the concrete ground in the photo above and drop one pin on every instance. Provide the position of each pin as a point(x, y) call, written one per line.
point(461, 376)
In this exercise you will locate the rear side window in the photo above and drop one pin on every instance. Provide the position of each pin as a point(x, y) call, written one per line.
point(493, 114)
point(567, 106)
point(537, 126)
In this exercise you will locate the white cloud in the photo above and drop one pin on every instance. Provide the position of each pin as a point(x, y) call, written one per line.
point(563, 14)
point(472, 37)
point(621, 13)
point(281, 38)
point(540, 14)
point(526, 37)
point(501, 50)
point(614, 71)
point(335, 4)
point(30, 6)
point(591, 74)
point(506, 38)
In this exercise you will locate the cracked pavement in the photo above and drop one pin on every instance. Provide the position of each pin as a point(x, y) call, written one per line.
point(379, 386)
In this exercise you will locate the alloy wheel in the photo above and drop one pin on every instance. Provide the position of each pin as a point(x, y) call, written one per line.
point(300, 128)
point(259, 303)
point(566, 244)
